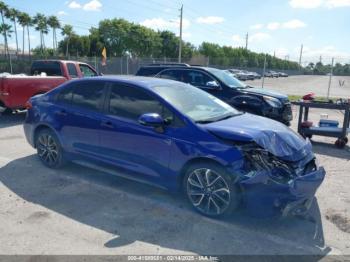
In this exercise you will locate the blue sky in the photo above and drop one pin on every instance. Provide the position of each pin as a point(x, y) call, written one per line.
point(274, 26)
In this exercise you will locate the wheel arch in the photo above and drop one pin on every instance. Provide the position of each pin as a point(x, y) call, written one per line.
point(41, 127)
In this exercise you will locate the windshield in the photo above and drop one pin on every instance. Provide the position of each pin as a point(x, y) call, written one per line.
point(227, 78)
point(196, 104)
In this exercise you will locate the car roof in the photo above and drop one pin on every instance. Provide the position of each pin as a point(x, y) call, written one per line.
point(59, 61)
point(188, 67)
point(142, 81)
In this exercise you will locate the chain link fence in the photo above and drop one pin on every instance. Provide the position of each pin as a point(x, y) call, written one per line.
point(122, 65)
point(127, 65)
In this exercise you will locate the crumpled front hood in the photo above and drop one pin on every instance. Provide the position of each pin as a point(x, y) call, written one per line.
point(271, 135)
point(265, 92)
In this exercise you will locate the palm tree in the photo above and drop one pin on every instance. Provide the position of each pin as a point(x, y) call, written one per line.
point(67, 31)
point(3, 10)
point(12, 14)
point(40, 21)
point(54, 23)
point(25, 21)
point(6, 30)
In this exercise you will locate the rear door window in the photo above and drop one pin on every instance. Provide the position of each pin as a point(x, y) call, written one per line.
point(149, 71)
point(72, 70)
point(88, 95)
point(172, 74)
point(65, 96)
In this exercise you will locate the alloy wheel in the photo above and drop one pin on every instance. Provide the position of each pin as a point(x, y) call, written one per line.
point(48, 149)
point(208, 191)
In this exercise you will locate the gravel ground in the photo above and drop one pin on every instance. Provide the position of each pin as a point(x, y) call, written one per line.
point(301, 85)
point(77, 210)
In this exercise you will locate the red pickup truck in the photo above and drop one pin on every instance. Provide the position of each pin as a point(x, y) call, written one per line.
point(15, 90)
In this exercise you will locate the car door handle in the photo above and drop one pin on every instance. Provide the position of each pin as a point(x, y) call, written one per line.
point(107, 124)
point(61, 113)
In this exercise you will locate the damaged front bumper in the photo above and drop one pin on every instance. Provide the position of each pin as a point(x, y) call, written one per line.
point(266, 197)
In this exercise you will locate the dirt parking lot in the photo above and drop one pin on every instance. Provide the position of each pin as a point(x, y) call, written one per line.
point(301, 85)
point(77, 210)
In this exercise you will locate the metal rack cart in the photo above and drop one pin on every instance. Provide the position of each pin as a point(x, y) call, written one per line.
point(338, 132)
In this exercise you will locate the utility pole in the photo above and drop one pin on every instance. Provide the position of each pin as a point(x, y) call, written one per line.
point(180, 41)
point(301, 55)
point(246, 41)
point(330, 79)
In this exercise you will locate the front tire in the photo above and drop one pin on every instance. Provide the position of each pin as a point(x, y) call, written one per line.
point(49, 149)
point(211, 190)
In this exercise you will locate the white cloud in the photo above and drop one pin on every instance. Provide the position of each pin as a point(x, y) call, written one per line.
point(259, 37)
point(256, 27)
point(309, 4)
point(273, 25)
point(62, 13)
point(74, 5)
point(162, 24)
point(93, 5)
point(210, 20)
point(293, 24)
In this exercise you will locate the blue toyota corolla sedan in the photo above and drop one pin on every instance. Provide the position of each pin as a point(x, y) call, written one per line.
point(177, 137)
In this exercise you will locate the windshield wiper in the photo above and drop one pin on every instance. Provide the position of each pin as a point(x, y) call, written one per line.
point(204, 121)
point(207, 121)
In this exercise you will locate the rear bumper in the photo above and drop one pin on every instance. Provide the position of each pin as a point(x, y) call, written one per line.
point(264, 197)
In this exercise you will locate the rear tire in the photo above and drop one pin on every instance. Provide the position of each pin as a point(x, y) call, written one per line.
point(49, 149)
point(211, 190)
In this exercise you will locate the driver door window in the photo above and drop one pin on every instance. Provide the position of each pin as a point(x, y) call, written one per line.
point(87, 71)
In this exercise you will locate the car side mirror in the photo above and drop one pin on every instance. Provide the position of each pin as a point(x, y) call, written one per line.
point(151, 119)
point(212, 85)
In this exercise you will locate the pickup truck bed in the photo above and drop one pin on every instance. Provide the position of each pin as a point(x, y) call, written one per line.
point(15, 90)
point(28, 85)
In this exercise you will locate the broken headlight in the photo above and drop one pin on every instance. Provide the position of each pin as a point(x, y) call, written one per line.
point(258, 159)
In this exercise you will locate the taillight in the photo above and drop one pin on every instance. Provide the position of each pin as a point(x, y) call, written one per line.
point(28, 105)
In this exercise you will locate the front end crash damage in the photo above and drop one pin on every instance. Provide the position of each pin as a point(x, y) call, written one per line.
point(272, 185)
point(278, 172)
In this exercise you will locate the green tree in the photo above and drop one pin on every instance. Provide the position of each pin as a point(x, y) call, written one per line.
point(3, 11)
point(54, 23)
point(12, 14)
point(67, 32)
point(41, 26)
point(25, 21)
point(6, 30)
point(170, 44)
point(96, 43)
